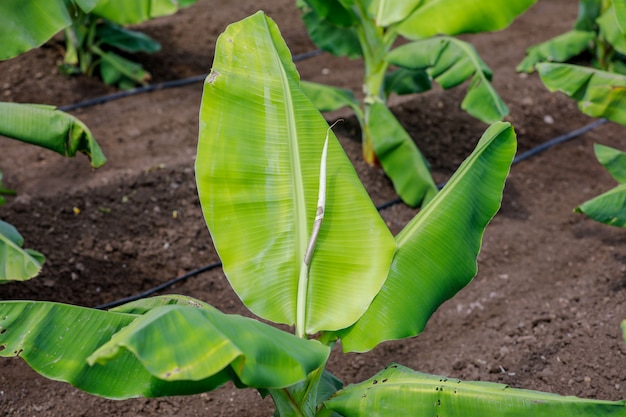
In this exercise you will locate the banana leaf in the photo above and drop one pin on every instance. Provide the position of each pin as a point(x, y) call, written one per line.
point(125, 39)
point(400, 391)
point(620, 14)
point(624, 329)
point(16, 263)
point(455, 17)
point(190, 349)
point(400, 158)
point(611, 30)
point(437, 250)
point(27, 24)
point(258, 174)
point(128, 12)
point(327, 98)
point(598, 93)
point(338, 39)
point(450, 62)
point(558, 49)
point(388, 12)
point(52, 129)
point(609, 207)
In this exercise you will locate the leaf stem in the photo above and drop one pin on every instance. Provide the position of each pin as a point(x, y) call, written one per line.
point(303, 283)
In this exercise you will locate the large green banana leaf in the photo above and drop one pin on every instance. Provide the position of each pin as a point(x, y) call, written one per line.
point(328, 98)
point(400, 391)
point(126, 12)
point(610, 207)
point(558, 49)
point(27, 24)
point(450, 62)
point(179, 348)
point(52, 129)
point(598, 93)
point(258, 175)
point(16, 263)
point(454, 17)
point(437, 250)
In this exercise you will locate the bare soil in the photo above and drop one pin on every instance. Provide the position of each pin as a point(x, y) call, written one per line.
point(543, 312)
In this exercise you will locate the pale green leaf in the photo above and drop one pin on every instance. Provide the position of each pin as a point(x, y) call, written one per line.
point(437, 250)
point(257, 170)
point(620, 14)
point(613, 160)
point(327, 98)
point(400, 391)
point(558, 49)
point(454, 17)
point(598, 93)
point(389, 12)
point(27, 24)
point(400, 158)
point(51, 129)
point(16, 263)
point(608, 208)
point(624, 329)
point(450, 62)
point(126, 12)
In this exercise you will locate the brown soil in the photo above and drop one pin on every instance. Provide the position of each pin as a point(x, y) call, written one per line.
point(543, 312)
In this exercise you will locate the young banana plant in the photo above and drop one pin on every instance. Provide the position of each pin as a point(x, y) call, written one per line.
point(267, 167)
point(369, 30)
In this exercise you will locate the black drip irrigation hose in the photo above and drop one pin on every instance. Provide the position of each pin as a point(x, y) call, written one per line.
point(199, 78)
point(162, 86)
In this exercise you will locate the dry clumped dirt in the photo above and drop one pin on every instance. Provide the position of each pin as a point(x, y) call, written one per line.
point(543, 312)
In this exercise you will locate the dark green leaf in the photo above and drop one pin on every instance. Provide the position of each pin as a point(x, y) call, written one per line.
point(588, 12)
point(339, 41)
point(407, 81)
point(126, 39)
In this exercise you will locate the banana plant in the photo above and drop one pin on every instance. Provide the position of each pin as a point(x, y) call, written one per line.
point(598, 88)
point(93, 31)
point(302, 245)
point(609, 207)
point(369, 29)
